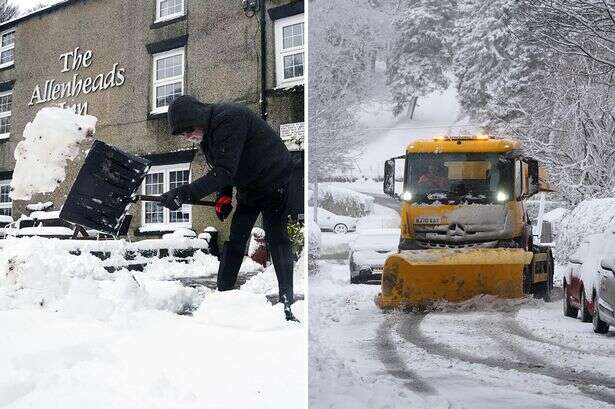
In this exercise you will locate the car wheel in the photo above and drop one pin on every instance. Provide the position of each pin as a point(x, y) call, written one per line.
point(340, 229)
point(585, 315)
point(569, 310)
point(600, 327)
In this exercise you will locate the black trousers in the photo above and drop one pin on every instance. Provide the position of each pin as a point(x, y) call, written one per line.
point(274, 208)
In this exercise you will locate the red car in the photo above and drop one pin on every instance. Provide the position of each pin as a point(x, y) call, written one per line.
point(581, 276)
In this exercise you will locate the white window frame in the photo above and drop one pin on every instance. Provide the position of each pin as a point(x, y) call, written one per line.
point(5, 114)
point(9, 204)
point(280, 52)
point(166, 224)
point(156, 83)
point(7, 47)
point(170, 16)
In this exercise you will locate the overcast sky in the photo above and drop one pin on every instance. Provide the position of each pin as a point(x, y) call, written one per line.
point(26, 4)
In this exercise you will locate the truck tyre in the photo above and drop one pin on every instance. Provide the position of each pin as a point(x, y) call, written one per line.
point(585, 315)
point(569, 310)
point(600, 327)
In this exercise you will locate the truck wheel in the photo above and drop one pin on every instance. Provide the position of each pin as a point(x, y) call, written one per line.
point(569, 310)
point(600, 327)
point(585, 315)
point(543, 290)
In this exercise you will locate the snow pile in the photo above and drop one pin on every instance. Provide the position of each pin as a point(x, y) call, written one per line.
point(485, 302)
point(49, 141)
point(200, 265)
point(266, 282)
point(242, 310)
point(41, 273)
point(178, 233)
point(343, 201)
point(588, 217)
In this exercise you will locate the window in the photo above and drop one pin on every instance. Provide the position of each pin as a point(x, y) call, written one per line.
point(168, 9)
point(168, 79)
point(6, 204)
point(6, 101)
point(7, 48)
point(160, 179)
point(290, 53)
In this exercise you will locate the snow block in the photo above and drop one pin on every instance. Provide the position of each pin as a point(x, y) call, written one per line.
point(104, 188)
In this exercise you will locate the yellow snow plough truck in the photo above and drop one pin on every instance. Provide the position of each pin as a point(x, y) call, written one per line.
point(465, 229)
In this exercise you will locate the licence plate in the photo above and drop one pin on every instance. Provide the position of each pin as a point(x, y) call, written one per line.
point(427, 220)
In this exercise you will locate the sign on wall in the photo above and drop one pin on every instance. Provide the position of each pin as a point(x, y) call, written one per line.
point(73, 61)
point(293, 135)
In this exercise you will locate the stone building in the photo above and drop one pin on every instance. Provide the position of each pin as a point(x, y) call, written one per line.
point(124, 61)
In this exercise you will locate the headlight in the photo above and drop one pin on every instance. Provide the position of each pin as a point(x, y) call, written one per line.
point(501, 197)
point(406, 196)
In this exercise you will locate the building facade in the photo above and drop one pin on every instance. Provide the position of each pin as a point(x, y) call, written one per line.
point(124, 62)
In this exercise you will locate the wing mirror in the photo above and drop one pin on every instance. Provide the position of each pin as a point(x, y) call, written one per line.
point(388, 186)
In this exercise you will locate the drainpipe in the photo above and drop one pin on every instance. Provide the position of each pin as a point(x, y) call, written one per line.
point(263, 28)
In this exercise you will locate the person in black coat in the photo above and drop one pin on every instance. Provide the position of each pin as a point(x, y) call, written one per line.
point(244, 152)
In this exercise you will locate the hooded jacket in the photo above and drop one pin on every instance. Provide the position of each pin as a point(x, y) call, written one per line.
point(242, 150)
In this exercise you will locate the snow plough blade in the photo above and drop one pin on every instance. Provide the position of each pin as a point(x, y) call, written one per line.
point(419, 278)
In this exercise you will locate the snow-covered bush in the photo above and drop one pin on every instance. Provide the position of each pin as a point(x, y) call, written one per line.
point(314, 241)
point(344, 202)
point(588, 217)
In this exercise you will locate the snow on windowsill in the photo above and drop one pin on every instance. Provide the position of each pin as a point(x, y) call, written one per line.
point(8, 64)
point(290, 84)
point(5, 136)
point(169, 17)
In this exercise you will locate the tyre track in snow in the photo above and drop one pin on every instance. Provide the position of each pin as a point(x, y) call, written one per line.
point(589, 384)
point(514, 327)
point(395, 364)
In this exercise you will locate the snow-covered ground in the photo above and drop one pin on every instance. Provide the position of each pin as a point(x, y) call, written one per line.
point(75, 336)
point(485, 354)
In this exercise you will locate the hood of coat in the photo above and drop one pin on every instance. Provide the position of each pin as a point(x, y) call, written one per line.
point(188, 112)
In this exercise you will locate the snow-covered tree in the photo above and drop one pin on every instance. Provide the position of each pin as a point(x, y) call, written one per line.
point(493, 66)
point(422, 53)
point(7, 10)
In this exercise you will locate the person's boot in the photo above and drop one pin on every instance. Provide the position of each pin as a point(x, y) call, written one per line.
point(282, 257)
point(230, 263)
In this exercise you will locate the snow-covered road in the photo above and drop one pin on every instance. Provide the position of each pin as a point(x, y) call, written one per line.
point(485, 354)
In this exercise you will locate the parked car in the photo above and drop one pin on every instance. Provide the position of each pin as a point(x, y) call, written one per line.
point(581, 276)
point(604, 298)
point(368, 252)
point(332, 222)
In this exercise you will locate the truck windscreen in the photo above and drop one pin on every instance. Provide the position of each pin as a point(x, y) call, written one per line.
point(453, 178)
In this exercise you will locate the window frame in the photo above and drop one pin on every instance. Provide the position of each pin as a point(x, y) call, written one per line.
point(280, 52)
point(6, 114)
point(170, 16)
point(9, 204)
point(166, 224)
point(157, 83)
point(7, 47)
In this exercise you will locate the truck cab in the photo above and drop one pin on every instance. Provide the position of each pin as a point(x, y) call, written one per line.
point(464, 192)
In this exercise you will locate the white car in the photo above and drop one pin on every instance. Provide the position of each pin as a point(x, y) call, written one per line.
point(333, 222)
point(369, 251)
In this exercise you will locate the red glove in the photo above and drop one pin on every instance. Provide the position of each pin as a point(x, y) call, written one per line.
point(224, 207)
